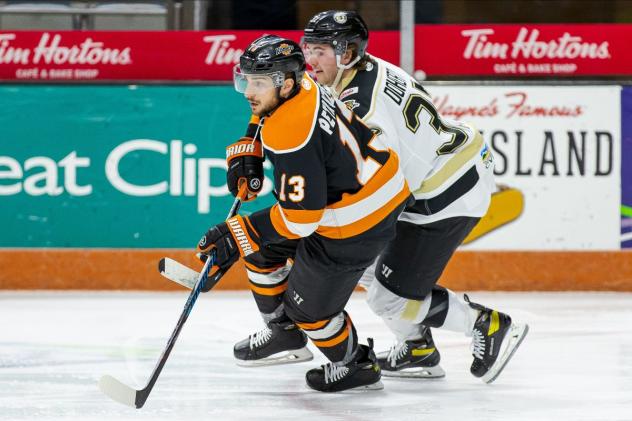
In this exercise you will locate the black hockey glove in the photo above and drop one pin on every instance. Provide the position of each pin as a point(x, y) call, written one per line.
point(230, 239)
point(245, 165)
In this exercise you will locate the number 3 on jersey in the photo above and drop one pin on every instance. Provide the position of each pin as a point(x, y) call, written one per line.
point(415, 104)
point(297, 182)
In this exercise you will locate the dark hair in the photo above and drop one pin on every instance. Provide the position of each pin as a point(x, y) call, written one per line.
point(364, 61)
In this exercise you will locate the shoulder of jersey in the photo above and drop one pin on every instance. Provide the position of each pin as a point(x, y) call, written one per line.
point(359, 95)
point(392, 67)
point(291, 126)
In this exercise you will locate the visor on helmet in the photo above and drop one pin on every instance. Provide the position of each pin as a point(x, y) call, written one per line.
point(256, 83)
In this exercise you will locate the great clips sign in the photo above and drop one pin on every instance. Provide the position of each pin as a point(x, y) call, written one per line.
point(523, 50)
point(63, 56)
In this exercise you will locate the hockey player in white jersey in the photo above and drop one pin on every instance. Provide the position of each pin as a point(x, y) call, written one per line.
point(449, 169)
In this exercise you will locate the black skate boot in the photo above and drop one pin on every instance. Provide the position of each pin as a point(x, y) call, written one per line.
point(418, 358)
point(494, 340)
point(278, 343)
point(363, 372)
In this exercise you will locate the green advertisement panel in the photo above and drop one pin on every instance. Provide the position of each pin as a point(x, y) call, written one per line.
point(116, 166)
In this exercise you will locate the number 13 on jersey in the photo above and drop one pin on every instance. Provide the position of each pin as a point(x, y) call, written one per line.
point(296, 184)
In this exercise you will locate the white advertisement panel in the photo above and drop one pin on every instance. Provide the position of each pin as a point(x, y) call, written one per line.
point(557, 150)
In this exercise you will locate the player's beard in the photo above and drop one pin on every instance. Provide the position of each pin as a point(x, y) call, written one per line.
point(268, 109)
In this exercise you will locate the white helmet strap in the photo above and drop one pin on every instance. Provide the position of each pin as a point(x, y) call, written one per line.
point(341, 68)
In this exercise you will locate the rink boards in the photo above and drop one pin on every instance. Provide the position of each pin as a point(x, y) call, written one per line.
point(127, 269)
point(99, 182)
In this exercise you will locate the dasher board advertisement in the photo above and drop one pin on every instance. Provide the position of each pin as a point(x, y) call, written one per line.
point(84, 56)
point(524, 50)
point(626, 167)
point(557, 163)
point(116, 166)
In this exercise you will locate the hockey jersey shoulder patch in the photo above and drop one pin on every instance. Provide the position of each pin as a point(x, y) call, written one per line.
point(359, 94)
point(347, 92)
point(291, 126)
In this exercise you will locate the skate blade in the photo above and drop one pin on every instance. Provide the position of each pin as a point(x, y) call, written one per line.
point(514, 338)
point(378, 385)
point(374, 386)
point(285, 357)
point(435, 372)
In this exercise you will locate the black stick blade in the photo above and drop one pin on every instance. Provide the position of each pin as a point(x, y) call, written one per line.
point(161, 266)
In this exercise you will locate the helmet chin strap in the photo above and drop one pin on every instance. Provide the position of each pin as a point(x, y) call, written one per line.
point(341, 68)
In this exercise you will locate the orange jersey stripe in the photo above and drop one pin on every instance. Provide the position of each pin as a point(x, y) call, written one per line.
point(289, 128)
point(378, 180)
point(302, 216)
point(382, 194)
point(336, 339)
point(294, 223)
point(261, 270)
point(313, 326)
point(280, 289)
point(367, 222)
point(279, 224)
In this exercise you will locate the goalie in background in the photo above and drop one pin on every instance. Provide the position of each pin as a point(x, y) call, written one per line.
point(449, 169)
point(340, 192)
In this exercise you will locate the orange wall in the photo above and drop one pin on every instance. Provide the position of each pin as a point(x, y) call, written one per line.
point(108, 269)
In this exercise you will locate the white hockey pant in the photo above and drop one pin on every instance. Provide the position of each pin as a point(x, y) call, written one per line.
point(403, 316)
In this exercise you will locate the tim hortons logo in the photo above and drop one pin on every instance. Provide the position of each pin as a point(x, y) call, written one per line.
point(528, 45)
point(50, 51)
point(220, 51)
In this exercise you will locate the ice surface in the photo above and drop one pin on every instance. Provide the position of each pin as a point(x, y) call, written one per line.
point(575, 364)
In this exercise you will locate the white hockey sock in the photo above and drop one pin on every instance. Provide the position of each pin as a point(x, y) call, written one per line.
point(403, 330)
point(461, 317)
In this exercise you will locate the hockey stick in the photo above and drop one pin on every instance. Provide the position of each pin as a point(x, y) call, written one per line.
point(177, 272)
point(126, 395)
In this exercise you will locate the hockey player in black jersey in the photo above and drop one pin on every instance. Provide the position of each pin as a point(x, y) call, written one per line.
point(450, 172)
point(340, 192)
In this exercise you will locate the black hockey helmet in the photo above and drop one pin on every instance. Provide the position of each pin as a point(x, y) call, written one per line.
point(270, 55)
point(339, 28)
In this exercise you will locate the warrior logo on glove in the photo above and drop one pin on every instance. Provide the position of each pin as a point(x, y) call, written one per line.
point(229, 239)
point(243, 147)
point(240, 232)
point(245, 165)
point(255, 184)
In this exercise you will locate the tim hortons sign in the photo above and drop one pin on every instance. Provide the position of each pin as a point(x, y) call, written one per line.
point(523, 50)
point(66, 56)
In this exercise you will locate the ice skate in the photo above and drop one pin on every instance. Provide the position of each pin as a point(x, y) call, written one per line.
point(361, 373)
point(275, 344)
point(417, 358)
point(494, 340)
